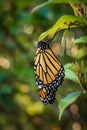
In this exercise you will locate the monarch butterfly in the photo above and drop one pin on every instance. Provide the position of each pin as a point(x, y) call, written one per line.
point(49, 72)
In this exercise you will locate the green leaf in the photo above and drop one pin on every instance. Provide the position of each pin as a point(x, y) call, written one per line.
point(66, 101)
point(63, 23)
point(82, 52)
point(69, 74)
point(81, 40)
point(69, 66)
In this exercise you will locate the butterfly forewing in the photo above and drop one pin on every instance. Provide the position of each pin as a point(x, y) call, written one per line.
point(49, 73)
point(42, 62)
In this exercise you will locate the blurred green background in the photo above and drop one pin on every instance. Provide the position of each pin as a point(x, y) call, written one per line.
point(20, 105)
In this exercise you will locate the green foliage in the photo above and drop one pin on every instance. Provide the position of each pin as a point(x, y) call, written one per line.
point(69, 74)
point(66, 101)
point(64, 22)
point(82, 40)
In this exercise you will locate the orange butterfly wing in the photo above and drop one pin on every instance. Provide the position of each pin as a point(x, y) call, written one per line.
point(49, 74)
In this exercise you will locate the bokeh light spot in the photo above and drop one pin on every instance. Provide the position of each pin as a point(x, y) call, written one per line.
point(74, 108)
point(76, 126)
point(4, 63)
point(31, 110)
point(28, 29)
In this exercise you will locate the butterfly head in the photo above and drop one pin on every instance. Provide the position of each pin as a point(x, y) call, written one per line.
point(43, 45)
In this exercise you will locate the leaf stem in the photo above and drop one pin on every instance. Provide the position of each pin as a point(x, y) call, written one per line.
point(39, 6)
